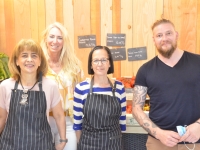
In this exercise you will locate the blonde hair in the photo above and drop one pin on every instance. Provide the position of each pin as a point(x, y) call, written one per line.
point(32, 46)
point(161, 21)
point(70, 63)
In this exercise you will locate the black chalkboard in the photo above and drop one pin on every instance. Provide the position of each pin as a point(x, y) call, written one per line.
point(115, 39)
point(139, 53)
point(87, 41)
point(118, 54)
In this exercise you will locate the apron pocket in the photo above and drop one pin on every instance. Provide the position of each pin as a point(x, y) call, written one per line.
point(115, 137)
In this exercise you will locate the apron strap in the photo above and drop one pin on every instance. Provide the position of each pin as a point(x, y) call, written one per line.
point(91, 84)
point(16, 85)
point(113, 88)
point(40, 81)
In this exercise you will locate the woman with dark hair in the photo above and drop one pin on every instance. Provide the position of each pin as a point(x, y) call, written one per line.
point(99, 105)
point(25, 101)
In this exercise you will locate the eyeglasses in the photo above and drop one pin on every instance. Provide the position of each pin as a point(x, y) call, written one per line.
point(103, 61)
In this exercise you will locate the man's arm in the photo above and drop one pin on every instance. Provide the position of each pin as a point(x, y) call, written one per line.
point(169, 138)
point(139, 97)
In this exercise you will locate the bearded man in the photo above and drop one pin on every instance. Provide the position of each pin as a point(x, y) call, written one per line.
point(172, 81)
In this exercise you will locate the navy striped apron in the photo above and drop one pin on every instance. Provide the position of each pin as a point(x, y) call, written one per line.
point(27, 127)
point(100, 127)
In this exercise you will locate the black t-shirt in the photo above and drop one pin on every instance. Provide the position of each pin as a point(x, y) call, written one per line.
point(174, 91)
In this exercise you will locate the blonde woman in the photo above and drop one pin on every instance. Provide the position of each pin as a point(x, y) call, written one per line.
point(65, 69)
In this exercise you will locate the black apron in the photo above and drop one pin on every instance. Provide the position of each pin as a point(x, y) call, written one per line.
point(100, 127)
point(27, 127)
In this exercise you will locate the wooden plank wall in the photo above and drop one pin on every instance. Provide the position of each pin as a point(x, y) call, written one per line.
point(28, 18)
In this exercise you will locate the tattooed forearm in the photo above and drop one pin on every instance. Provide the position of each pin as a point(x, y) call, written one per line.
point(145, 122)
point(139, 95)
point(147, 127)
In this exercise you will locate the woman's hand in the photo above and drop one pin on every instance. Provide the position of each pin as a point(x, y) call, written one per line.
point(60, 146)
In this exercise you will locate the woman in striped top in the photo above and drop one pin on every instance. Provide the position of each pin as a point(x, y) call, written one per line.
point(99, 105)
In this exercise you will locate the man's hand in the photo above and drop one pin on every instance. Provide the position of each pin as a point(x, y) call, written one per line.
point(192, 134)
point(168, 138)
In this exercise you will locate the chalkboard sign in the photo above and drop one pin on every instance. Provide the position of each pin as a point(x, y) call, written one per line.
point(116, 39)
point(87, 41)
point(139, 53)
point(118, 54)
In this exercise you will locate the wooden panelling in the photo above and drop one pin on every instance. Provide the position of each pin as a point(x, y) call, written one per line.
point(59, 11)
point(95, 15)
point(9, 26)
point(144, 14)
point(188, 26)
point(116, 28)
point(22, 20)
point(68, 18)
point(184, 15)
point(82, 27)
point(159, 9)
point(34, 19)
point(127, 28)
point(106, 19)
point(2, 28)
point(41, 17)
point(28, 18)
point(50, 7)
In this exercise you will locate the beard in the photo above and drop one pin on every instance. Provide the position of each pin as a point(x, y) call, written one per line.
point(167, 53)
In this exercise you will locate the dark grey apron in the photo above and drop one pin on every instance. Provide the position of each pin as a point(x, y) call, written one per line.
point(27, 127)
point(100, 127)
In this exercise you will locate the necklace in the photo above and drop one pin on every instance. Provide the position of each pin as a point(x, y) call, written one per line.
point(25, 94)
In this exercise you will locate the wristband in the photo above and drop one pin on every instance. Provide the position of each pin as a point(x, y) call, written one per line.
point(66, 140)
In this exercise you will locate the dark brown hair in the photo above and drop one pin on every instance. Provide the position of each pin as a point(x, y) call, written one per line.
point(110, 70)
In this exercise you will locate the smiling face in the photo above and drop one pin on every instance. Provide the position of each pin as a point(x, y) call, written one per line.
point(165, 39)
point(54, 40)
point(28, 61)
point(100, 62)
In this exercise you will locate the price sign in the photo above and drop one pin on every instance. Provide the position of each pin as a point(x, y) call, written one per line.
point(116, 39)
point(139, 53)
point(87, 41)
point(118, 54)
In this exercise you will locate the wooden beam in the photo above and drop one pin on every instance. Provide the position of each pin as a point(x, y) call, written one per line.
point(116, 28)
point(59, 11)
point(9, 26)
point(95, 15)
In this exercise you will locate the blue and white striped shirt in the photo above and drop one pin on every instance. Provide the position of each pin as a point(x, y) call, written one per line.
point(80, 94)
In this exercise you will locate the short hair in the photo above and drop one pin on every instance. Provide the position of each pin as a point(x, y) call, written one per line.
point(111, 68)
point(161, 21)
point(32, 46)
